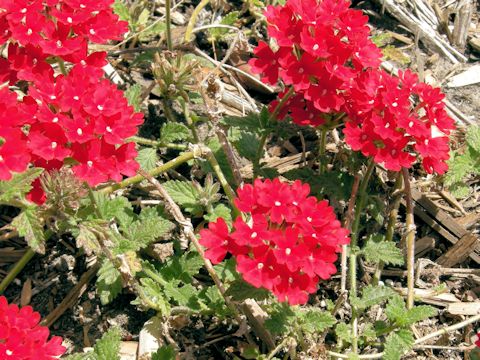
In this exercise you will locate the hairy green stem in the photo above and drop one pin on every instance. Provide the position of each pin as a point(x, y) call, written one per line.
point(223, 180)
point(410, 237)
point(362, 199)
point(392, 220)
point(154, 172)
point(321, 152)
point(168, 21)
point(157, 144)
point(12, 274)
point(193, 19)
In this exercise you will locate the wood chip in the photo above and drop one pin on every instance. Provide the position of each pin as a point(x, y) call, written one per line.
point(151, 337)
point(128, 350)
point(459, 252)
point(464, 308)
point(468, 77)
point(26, 295)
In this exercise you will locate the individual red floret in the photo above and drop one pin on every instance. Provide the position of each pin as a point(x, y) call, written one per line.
point(22, 338)
point(48, 141)
point(14, 155)
point(103, 27)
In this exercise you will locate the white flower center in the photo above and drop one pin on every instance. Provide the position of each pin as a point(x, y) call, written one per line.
point(59, 44)
point(309, 219)
point(109, 129)
point(76, 98)
point(260, 266)
point(90, 163)
point(254, 235)
point(278, 203)
point(54, 144)
point(69, 20)
point(288, 251)
point(9, 352)
point(100, 107)
point(79, 131)
point(316, 47)
point(55, 119)
point(92, 32)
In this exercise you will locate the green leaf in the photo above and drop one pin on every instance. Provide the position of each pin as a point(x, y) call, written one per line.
point(118, 208)
point(147, 158)
point(228, 19)
point(186, 295)
point(107, 348)
point(397, 344)
point(143, 17)
point(147, 229)
point(372, 295)
point(315, 320)
point(397, 312)
point(336, 184)
point(239, 290)
point(109, 282)
point(166, 352)
point(382, 251)
point(368, 333)
point(154, 293)
point(134, 96)
point(280, 320)
point(121, 10)
point(247, 145)
point(460, 190)
point(19, 185)
point(257, 123)
point(171, 132)
point(183, 267)
point(473, 137)
point(87, 239)
point(219, 211)
point(344, 333)
point(226, 270)
point(29, 225)
point(184, 194)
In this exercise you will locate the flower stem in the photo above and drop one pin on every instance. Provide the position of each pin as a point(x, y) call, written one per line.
point(323, 144)
point(12, 274)
point(61, 65)
point(362, 199)
point(168, 29)
point(157, 144)
point(193, 19)
point(410, 237)
point(263, 139)
point(154, 172)
point(392, 220)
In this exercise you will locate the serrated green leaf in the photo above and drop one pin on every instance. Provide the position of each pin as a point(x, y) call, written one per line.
point(19, 185)
point(171, 132)
point(183, 267)
point(239, 290)
point(109, 282)
point(459, 166)
point(154, 293)
point(29, 225)
point(166, 352)
point(280, 320)
point(473, 137)
point(118, 208)
point(368, 333)
point(460, 190)
point(372, 295)
point(87, 239)
point(143, 17)
point(228, 19)
point(257, 123)
point(315, 320)
point(226, 270)
point(397, 312)
point(134, 96)
point(397, 344)
point(121, 10)
point(184, 194)
point(186, 295)
point(219, 211)
point(107, 348)
point(382, 251)
point(247, 145)
point(147, 158)
point(147, 229)
point(344, 333)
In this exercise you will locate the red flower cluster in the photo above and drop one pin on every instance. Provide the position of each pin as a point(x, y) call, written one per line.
point(384, 124)
point(21, 338)
point(288, 243)
point(476, 339)
point(80, 115)
point(324, 53)
point(321, 46)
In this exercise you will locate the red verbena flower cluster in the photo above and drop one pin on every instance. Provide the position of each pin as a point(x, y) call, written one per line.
point(324, 53)
point(289, 241)
point(79, 115)
point(320, 46)
point(383, 123)
point(22, 338)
